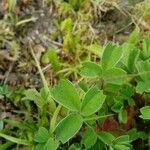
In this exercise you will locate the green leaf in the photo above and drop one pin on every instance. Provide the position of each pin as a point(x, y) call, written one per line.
point(145, 111)
point(7, 145)
point(42, 135)
point(143, 87)
point(90, 70)
point(96, 49)
point(83, 85)
point(121, 147)
point(111, 56)
point(75, 146)
point(51, 57)
point(92, 102)
point(89, 138)
point(5, 91)
point(143, 68)
point(40, 146)
point(66, 94)
point(33, 94)
point(112, 88)
point(134, 36)
point(114, 76)
point(51, 144)
point(130, 56)
point(117, 106)
point(145, 53)
point(143, 135)
point(68, 127)
point(11, 5)
point(133, 134)
point(98, 146)
point(123, 116)
point(15, 140)
point(65, 7)
point(67, 25)
point(106, 137)
point(133, 56)
point(122, 139)
point(127, 49)
point(45, 94)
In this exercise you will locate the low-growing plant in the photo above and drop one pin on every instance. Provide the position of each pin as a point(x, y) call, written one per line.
point(108, 109)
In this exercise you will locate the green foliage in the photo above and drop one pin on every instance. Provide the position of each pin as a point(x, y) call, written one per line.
point(143, 68)
point(67, 25)
point(91, 69)
point(42, 135)
point(145, 53)
point(5, 91)
point(51, 57)
point(51, 144)
point(68, 127)
point(134, 36)
point(132, 59)
point(44, 140)
point(116, 73)
point(115, 68)
point(65, 94)
point(11, 5)
point(40, 98)
point(122, 139)
point(98, 111)
point(89, 138)
point(121, 142)
point(134, 134)
point(92, 102)
point(143, 87)
point(122, 116)
point(111, 56)
point(145, 111)
point(97, 49)
point(106, 138)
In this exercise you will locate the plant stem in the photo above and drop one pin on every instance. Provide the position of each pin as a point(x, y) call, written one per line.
point(45, 84)
point(40, 70)
point(97, 117)
point(15, 140)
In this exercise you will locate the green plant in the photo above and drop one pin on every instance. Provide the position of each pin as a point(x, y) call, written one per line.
point(75, 5)
point(97, 113)
point(5, 91)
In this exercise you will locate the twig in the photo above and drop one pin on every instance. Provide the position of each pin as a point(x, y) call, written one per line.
point(40, 70)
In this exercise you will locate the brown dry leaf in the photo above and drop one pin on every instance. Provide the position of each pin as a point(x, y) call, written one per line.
point(144, 24)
